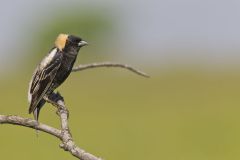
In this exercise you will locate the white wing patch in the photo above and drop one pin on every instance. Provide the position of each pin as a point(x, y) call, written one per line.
point(48, 58)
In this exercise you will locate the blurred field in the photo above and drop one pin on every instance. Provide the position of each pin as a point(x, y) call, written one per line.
point(177, 114)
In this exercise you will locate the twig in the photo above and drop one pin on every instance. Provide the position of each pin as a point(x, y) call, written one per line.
point(109, 64)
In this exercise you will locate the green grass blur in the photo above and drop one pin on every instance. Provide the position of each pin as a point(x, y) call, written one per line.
point(176, 114)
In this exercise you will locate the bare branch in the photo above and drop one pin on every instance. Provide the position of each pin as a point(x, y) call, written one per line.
point(64, 134)
point(109, 64)
point(27, 122)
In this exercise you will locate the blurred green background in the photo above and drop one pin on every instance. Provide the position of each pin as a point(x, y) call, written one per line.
point(188, 109)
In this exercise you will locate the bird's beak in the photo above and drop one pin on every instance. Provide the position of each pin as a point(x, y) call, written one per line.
point(82, 43)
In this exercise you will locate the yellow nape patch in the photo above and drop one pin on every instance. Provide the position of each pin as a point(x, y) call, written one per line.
point(61, 41)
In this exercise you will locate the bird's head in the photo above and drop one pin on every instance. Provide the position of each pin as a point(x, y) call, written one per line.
point(69, 42)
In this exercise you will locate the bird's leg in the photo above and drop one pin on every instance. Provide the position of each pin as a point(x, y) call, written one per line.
point(50, 100)
point(56, 100)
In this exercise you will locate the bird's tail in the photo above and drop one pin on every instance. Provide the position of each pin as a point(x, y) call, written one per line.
point(36, 112)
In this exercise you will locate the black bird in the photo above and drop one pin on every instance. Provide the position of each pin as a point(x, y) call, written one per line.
point(53, 70)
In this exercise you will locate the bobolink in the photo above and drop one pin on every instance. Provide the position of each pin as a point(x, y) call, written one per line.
point(53, 70)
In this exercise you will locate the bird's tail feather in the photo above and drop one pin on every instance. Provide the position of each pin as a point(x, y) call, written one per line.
point(36, 112)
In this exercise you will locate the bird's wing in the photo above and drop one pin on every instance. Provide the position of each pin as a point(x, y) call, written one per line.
point(43, 77)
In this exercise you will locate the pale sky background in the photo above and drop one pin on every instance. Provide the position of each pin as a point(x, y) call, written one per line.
point(152, 31)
